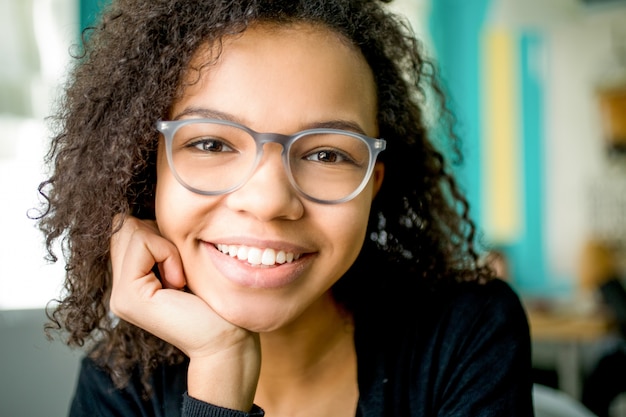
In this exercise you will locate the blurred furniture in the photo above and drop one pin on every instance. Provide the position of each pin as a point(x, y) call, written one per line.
point(37, 376)
point(549, 402)
point(561, 335)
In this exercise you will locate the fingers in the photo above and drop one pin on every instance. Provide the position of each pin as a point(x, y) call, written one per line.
point(135, 249)
point(138, 246)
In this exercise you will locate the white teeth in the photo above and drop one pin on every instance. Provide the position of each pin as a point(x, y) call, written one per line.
point(242, 253)
point(269, 257)
point(257, 256)
point(254, 256)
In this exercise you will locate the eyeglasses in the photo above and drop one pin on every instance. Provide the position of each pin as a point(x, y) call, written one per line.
point(214, 157)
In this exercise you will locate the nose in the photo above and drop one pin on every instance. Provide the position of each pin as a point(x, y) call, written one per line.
point(268, 194)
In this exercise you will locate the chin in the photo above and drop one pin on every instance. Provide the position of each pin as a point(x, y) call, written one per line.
point(257, 324)
point(257, 320)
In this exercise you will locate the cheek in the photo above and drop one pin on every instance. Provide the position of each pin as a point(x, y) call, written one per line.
point(176, 208)
point(163, 209)
point(182, 215)
point(345, 225)
point(357, 217)
point(165, 188)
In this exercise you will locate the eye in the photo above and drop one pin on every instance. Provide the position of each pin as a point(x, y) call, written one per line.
point(210, 145)
point(330, 156)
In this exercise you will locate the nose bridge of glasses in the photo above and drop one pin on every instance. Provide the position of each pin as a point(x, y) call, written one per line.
point(280, 142)
point(263, 138)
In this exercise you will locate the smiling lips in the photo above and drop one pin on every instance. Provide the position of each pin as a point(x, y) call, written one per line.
point(257, 256)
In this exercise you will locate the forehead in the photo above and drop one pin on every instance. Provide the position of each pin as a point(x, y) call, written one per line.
point(264, 34)
point(298, 66)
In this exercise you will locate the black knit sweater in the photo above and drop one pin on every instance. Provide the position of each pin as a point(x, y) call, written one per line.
point(463, 351)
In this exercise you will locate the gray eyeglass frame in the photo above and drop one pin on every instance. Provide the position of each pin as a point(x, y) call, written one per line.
point(168, 129)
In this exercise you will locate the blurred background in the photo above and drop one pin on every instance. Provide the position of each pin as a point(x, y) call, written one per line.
point(539, 88)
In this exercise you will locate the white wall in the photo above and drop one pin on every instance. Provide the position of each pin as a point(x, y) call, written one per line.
point(35, 37)
point(581, 57)
point(584, 190)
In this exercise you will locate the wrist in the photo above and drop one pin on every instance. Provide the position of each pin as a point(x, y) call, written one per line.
point(195, 407)
point(227, 378)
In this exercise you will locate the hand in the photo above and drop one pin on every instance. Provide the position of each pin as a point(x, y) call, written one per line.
point(163, 308)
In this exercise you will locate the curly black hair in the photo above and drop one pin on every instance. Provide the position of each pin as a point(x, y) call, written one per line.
point(128, 73)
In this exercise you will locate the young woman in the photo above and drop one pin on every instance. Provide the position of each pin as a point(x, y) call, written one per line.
point(255, 220)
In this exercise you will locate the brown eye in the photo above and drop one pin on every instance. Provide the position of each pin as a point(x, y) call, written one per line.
point(325, 156)
point(210, 145)
point(328, 156)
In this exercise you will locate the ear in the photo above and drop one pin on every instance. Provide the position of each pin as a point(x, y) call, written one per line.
point(377, 177)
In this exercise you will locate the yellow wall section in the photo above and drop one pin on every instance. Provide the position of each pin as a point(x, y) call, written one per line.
point(502, 187)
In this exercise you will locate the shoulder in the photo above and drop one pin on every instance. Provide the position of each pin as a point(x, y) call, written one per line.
point(481, 317)
point(494, 301)
point(463, 349)
point(449, 316)
point(473, 314)
point(96, 391)
point(97, 394)
point(455, 304)
point(447, 327)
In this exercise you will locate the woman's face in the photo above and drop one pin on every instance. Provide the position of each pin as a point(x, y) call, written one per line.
point(280, 80)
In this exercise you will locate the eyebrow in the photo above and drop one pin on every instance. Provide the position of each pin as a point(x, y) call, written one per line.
point(207, 113)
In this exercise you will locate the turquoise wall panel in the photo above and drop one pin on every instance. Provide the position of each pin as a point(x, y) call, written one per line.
point(89, 11)
point(528, 252)
point(456, 27)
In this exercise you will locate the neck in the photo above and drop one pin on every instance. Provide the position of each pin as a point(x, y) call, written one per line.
point(303, 360)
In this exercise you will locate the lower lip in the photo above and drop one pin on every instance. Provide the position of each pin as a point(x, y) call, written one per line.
point(256, 276)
